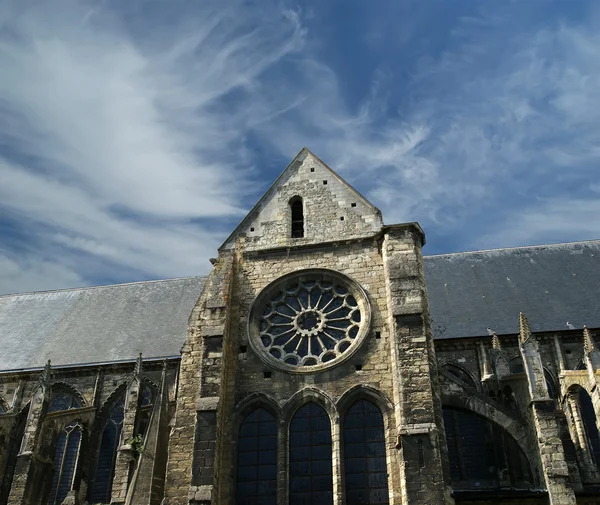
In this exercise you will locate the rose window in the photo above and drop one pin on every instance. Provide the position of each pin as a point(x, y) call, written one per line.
point(309, 320)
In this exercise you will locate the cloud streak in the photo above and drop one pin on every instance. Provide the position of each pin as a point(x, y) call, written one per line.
point(133, 139)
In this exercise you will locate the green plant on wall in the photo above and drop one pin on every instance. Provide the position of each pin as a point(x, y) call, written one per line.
point(136, 443)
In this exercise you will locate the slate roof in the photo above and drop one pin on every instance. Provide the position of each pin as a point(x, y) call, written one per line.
point(468, 292)
point(98, 324)
point(550, 284)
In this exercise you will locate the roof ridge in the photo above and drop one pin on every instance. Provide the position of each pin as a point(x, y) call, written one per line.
point(85, 288)
point(513, 248)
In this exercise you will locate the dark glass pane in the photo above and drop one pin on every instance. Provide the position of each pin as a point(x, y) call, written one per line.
point(364, 455)
point(146, 396)
point(63, 401)
point(58, 459)
point(479, 451)
point(65, 462)
point(310, 457)
point(109, 443)
point(257, 459)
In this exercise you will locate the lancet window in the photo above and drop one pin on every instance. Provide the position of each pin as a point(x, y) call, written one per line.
point(257, 459)
point(297, 214)
point(107, 454)
point(364, 455)
point(66, 456)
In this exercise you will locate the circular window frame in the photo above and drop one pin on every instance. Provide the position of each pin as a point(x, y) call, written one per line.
point(273, 289)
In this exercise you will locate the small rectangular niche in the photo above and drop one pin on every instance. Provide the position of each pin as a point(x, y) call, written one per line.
point(341, 218)
point(243, 349)
point(378, 335)
point(358, 367)
point(252, 229)
point(312, 169)
point(325, 183)
point(353, 204)
point(267, 375)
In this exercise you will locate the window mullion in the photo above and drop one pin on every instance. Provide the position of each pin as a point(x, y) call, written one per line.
point(338, 490)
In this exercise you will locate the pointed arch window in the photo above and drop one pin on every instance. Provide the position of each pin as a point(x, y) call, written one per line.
point(364, 455)
point(107, 455)
point(257, 460)
point(63, 400)
point(297, 212)
point(66, 456)
point(483, 455)
point(310, 457)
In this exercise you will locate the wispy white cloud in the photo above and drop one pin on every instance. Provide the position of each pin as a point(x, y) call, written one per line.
point(119, 144)
point(135, 135)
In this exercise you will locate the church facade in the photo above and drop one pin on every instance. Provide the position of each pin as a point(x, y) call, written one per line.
point(324, 360)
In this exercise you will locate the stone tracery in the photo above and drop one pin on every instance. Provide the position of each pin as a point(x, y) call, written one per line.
point(308, 320)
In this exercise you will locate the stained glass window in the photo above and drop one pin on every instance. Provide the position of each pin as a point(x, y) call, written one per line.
point(107, 456)
point(257, 460)
point(482, 454)
point(63, 400)
point(310, 457)
point(364, 455)
point(65, 463)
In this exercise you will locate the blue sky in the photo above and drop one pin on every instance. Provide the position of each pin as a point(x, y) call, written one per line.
point(134, 136)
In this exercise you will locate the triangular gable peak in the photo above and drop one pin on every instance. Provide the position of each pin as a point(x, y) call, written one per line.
point(322, 205)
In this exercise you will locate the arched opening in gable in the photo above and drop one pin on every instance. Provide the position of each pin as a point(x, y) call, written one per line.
point(297, 214)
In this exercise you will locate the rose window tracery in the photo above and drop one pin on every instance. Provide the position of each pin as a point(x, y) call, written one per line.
point(309, 320)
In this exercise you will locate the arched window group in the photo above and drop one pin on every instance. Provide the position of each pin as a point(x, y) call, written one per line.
point(483, 455)
point(310, 457)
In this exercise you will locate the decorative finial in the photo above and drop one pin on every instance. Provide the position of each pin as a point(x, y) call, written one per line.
point(138, 365)
point(496, 342)
point(588, 341)
point(524, 328)
point(45, 377)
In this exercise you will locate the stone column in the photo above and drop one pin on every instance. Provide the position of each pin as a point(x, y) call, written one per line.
point(421, 442)
point(31, 469)
point(126, 453)
point(552, 456)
